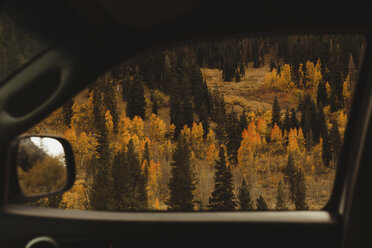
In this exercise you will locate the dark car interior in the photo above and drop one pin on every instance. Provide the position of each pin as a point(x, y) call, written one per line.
point(83, 39)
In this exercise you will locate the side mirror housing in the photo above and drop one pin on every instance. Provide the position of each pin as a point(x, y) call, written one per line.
point(41, 166)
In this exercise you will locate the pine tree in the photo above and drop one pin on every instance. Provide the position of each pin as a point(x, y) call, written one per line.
point(181, 184)
point(135, 98)
point(280, 202)
point(237, 77)
point(67, 112)
point(261, 204)
point(286, 122)
point(276, 113)
point(222, 198)
point(129, 183)
point(244, 198)
point(155, 105)
point(290, 172)
point(321, 96)
point(300, 191)
point(294, 121)
point(242, 69)
point(233, 137)
point(243, 122)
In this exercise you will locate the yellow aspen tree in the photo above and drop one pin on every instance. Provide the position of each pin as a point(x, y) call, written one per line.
point(172, 128)
point(76, 197)
point(301, 73)
point(153, 185)
point(109, 124)
point(328, 89)
point(276, 133)
point(158, 129)
point(271, 77)
point(318, 73)
point(186, 133)
point(70, 135)
point(261, 126)
point(137, 126)
point(292, 141)
point(211, 138)
point(124, 124)
point(276, 138)
point(301, 140)
point(212, 154)
point(345, 90)
point(197, 139)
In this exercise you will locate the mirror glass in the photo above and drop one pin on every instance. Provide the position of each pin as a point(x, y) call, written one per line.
point(41, 165)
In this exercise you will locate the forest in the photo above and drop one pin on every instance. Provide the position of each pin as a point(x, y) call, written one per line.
point(236, 124)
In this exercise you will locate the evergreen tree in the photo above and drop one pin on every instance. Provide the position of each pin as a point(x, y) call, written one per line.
point(294, 121)
point(243, 122)
point(289, 175)
point(181, 184)
point(242, 69)
point(136, 99)
point(233, 137)
point(175, 112)
point(300, 191)
point(101, 191)
point(67, 112)
point(321, 96)
point(261, 204)
point(237, 77)
point(276, 113)
point(155, 106)
point(244, 198)
point(222, 198)
point(335, 140)
point(228, 70)
point(128, 181)
point(287, 122)
point(280, 202)
point(204, 119)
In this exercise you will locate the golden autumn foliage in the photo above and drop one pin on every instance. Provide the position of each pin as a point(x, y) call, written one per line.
point(158, 129)
point(197, 139)
point(212, 154)
point(292, 141)
point(153, 184)
point(276, 134)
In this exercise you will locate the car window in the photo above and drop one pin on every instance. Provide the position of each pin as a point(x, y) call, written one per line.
point(235, 124)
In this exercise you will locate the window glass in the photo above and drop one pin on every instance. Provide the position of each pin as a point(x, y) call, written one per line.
point(236, 124)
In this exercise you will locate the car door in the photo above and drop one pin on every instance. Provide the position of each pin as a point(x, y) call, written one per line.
point(66, 68)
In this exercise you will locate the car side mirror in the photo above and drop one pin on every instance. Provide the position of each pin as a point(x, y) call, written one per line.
point(44, 165)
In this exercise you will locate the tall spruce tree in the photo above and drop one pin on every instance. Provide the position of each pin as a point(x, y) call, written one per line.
point(287, 122)
point(294, 121)
point(233, 137)
point(289, 175)
point(280, 201)
point(244, 198)
point(128, 180)
point(261, 204)
point(135, 98)
point(181, 184)
point(276, 113)
point(300, 191)
point(67, 112)
point(222, 198)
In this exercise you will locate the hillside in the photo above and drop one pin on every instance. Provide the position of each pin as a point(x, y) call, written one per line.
point(261, 121)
